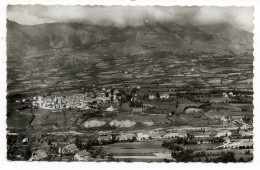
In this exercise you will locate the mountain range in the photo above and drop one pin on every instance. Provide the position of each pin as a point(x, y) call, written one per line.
point(153, 36)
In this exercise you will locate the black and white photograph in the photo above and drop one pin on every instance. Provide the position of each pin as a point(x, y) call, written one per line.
point(96, 83)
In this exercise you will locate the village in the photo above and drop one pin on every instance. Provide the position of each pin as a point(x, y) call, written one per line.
point(130, 84)
point(81, 147)
point(221, 131)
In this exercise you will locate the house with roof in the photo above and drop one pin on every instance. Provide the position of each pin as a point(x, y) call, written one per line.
point(69, 149)
point(82, 155)
point(164, 96)
point(104, 138)
point(44, 147)
point(110, 109)
point(246, 133)
point(244, 127)
point(126, 136)
point(226, 140)
point(171, 135)
point(223, 133)
point(25, 140)
point(151, 97)
point(142, 136)
point(38, 155)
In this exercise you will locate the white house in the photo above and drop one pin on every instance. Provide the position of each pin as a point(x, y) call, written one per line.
point(152, 97)
point(126, 136)
point(223, 133)
point(171, 135)
point(110, 109)
point(226, 140)
point(82, 156)
point(164, 96)
point(38, 156)
point(142, 136)
point(25, 140)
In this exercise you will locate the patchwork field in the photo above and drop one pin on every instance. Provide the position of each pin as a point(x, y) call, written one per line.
point(138, 151)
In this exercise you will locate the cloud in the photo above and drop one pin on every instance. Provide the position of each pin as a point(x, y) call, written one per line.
point(130, 16)
point(238, 16)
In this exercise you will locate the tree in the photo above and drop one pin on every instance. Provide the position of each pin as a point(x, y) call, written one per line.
point(157, 95)
point(27, 154)
point(227, 157)
point(131, 104)
point(177, 104)
point(112, 91)
point(174, 154)
point(185, 156)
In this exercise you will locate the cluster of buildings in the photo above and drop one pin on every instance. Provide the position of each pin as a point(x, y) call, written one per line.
point(69, 151)
point(76, 101)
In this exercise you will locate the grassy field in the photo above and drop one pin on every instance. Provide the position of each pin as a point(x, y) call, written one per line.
point(144, 148)
point(202, 147)
point(55, 118)
point(40, 116)
point(18, 119)
point(167, 107)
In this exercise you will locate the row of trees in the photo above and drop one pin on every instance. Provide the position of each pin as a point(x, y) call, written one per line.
point(187, 155)
point(224, 157)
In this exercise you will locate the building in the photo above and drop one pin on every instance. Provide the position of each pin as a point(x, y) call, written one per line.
point(226, 140)
point(45, 147)
point(164, 96)
point(105, 138)
point(244, 127)
point(25, 140)
point(152, 97)
point(38, 155)
point(110, 109)
point(246, 133)
point(142, 136)
point(82, 156)
point(126, 136)
point(223, 133)
point(171, 135)
point(69, 149)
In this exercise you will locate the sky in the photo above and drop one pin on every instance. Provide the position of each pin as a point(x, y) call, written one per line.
point(122, 16)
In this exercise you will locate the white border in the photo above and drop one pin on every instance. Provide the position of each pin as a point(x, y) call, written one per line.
point(4, 164)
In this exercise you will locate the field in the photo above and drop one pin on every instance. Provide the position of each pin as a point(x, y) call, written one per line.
point(18, 119)
point(138, 151)
point(40, 116)
point(55, 118)
point(167, 107)
point(202, 147)
point(136, 148)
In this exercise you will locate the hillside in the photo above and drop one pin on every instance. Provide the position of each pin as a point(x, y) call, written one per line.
point(24, 39)
point(52, 57)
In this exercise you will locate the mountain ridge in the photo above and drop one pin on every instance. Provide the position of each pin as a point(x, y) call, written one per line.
point(29, 39)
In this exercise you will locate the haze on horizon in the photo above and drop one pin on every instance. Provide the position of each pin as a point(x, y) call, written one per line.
point(122, 16)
